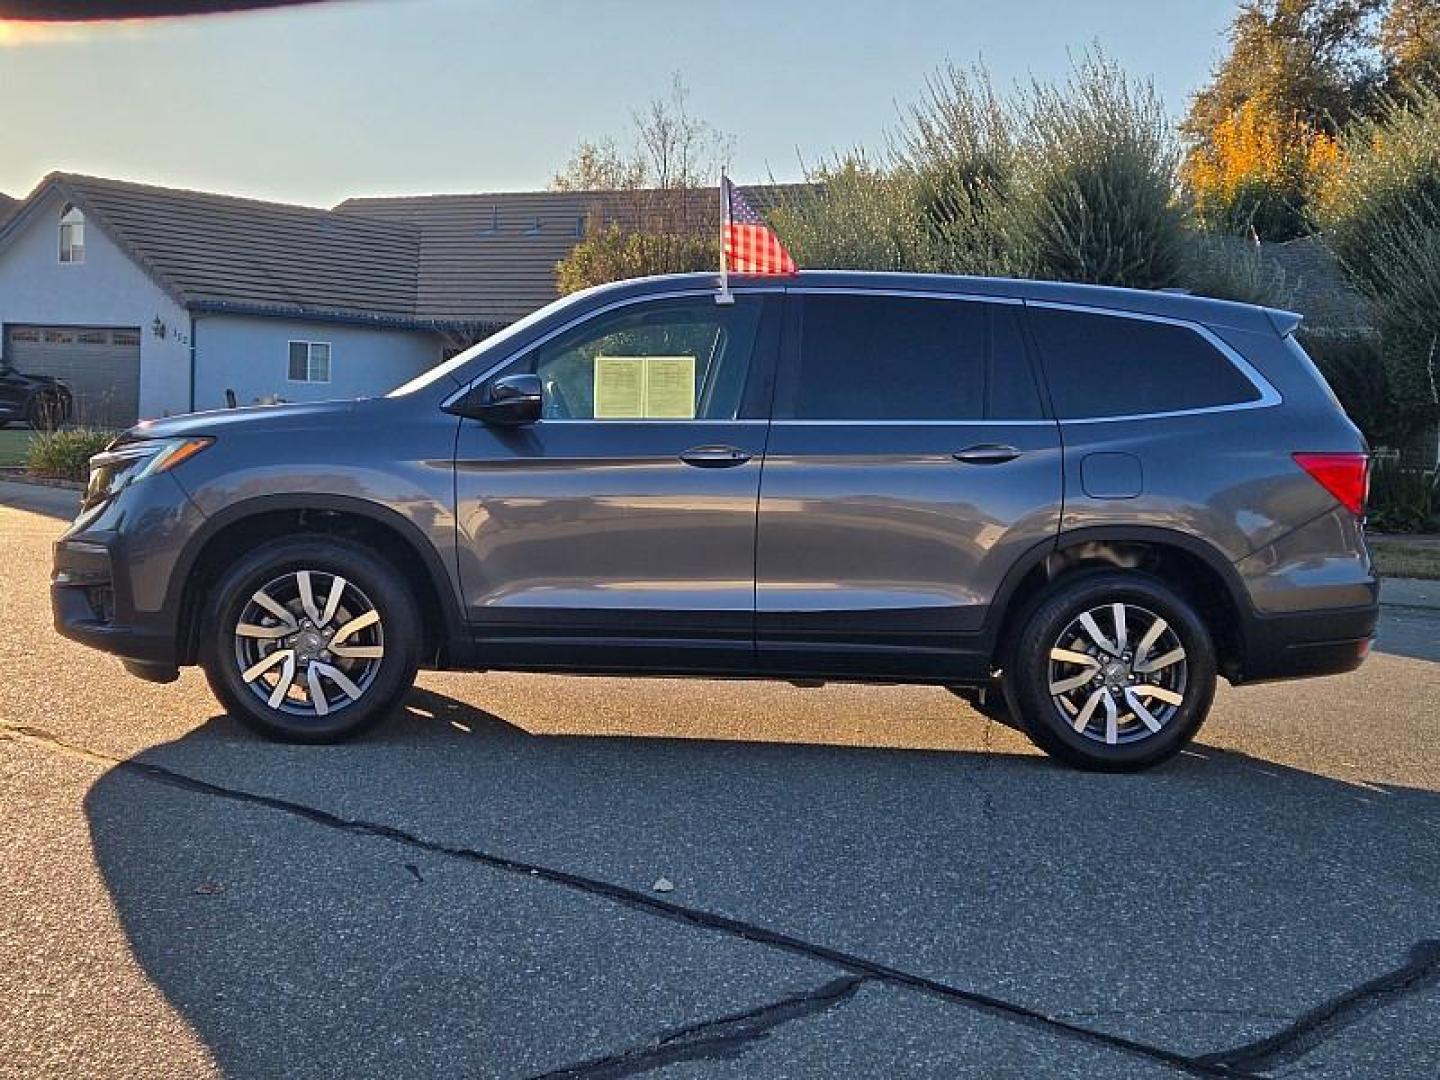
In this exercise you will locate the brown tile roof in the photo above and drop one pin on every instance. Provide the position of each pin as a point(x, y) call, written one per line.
point(421, 260)
point(493, 256)
point(217, 250)
point(1318, 285)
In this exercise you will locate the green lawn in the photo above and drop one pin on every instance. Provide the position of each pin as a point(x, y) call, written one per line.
point(1394, 557)
point(13, 444)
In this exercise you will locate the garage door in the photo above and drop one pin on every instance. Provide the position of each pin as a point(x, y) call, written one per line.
point(101, 365)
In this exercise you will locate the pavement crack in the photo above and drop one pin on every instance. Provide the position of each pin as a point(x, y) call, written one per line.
point(723, 1038)
point(644, 901)
point(1328, 1019)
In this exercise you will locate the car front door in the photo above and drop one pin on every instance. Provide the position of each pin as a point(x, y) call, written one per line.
point(910, 464)
point(618, 531)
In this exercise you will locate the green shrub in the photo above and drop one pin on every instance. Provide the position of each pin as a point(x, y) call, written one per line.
point(1381, 216)
point(958, 147)
point(1353, 366)
point(1403, 499)
point(610, 253)
point(1094, 196)
point(1389, 173)
point(65, 454)
point(1230, 268)
point(856, 216)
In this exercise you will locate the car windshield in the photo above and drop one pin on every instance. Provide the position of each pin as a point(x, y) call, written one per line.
point(451, 368)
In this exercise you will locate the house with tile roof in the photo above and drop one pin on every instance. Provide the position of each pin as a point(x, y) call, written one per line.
point(151, 301)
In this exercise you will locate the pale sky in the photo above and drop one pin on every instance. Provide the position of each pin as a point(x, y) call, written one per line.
point(374, 97)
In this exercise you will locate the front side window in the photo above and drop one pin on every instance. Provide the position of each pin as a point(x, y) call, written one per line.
point(899, 358)
point(310, 361)
point(1110, 365)
point(72, 235)
point(663, 360)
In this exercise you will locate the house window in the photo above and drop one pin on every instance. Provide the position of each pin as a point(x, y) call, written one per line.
point(310, 361)
point(72, 235)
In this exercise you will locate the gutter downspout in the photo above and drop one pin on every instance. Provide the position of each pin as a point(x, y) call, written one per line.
point(192, 361)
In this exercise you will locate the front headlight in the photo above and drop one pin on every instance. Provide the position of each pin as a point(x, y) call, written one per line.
point(125, 464)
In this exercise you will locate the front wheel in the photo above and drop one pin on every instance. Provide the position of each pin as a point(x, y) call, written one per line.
point(311, 639)
point(1112, 671)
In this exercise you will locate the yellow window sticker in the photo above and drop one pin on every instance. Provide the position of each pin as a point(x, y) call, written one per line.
point(670, 387)
point(645, 388)
point(619, 387)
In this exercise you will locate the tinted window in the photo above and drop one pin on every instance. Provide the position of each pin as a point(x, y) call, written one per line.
point(663, 360)
point(1106, 365)
point(1013, 394)
point(906, 358)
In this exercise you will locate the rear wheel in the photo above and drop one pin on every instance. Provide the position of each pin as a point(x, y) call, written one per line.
point(311, 640)
point(1112, 671)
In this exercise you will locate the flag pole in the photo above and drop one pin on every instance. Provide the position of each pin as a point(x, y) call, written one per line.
point(724, 296)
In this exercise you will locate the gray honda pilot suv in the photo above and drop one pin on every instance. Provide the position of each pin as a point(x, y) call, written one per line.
point(1072, 505)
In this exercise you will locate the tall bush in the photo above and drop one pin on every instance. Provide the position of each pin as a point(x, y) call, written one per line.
point(1094, 196)
point(958, 150)
point(1074, 182)
point(857, 215)
point(1381, 216)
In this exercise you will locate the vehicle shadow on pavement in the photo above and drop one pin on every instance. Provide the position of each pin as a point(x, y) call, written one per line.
point(370, 909)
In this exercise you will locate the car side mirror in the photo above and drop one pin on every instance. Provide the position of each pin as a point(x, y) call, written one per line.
point(509, 401)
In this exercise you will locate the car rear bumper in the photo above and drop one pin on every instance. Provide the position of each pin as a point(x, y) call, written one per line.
point(1301, 644)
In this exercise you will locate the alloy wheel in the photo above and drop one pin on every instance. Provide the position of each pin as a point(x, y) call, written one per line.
point(309, 643)
point(1117, 673)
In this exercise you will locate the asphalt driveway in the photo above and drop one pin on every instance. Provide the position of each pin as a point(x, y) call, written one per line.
point(863, 881)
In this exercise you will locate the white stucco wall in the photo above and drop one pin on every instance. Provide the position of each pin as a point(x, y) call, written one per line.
point(252, 356)
point(107, 289)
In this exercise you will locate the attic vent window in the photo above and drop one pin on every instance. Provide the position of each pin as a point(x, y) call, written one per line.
point(533, 229)
point(72, 235)
point(492, 229)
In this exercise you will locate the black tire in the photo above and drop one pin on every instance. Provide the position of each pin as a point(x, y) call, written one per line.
point(376, 582)
point(1029, 672)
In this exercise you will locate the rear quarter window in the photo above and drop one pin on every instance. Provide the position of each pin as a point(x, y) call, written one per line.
point(1109, 365)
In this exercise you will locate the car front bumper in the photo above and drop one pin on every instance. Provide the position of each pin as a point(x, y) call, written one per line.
point(112, 588)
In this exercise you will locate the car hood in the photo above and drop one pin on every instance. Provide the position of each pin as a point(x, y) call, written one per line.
point(33, 380)
point(252, 419)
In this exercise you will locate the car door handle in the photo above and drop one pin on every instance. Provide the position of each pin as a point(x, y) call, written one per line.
point(987, 454)
point(714, 457)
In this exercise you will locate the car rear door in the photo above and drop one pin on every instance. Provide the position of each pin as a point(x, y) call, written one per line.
point(910, 465)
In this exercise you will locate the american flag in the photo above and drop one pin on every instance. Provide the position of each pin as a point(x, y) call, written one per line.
point(751, 246)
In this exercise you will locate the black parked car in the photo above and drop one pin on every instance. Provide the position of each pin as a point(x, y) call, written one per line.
point(42, 401)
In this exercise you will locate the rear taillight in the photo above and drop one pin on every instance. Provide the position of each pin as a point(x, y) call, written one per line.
point(1346, 476)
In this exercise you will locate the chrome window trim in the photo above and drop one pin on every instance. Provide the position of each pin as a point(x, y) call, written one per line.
point(595, 313)
point(614, 420)
point(914, 423)
point(1269, 396)
point(919, 294)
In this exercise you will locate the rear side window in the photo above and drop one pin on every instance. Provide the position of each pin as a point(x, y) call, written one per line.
point(910, 358)
point(1110, 365)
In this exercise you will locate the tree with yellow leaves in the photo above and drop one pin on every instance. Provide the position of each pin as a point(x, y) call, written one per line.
point(1257, 174)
